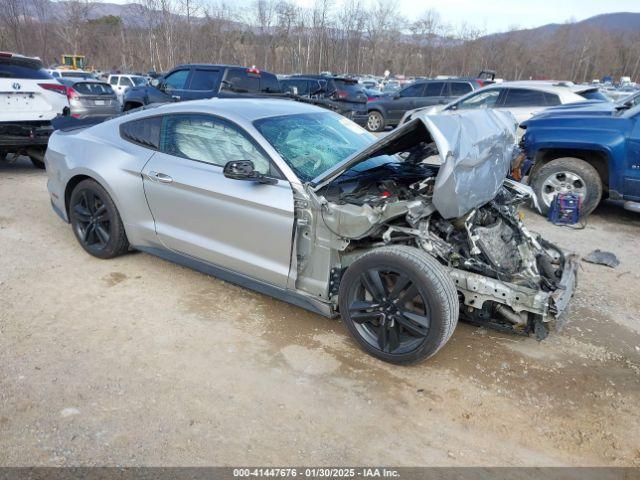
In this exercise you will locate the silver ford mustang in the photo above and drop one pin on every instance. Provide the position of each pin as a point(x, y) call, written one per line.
point(399, 236)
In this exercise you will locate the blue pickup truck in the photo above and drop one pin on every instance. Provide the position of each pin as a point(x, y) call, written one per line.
point(592, 150)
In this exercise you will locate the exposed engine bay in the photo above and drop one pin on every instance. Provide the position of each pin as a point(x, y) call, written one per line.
point(506, 276)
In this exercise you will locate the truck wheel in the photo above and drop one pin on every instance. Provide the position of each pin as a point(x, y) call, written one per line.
point(399, 304)
point(375, 121)
point(37, 162)
point(567, 175)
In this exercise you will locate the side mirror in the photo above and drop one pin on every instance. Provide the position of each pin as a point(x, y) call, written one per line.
point(245, 170)
point(396, 96)
point(294, 91)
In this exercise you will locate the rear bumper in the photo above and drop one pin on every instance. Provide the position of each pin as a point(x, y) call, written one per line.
point(25, 134)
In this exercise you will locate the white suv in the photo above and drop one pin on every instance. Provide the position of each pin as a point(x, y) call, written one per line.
point(30, 99)
point(522, 98)
point(120, 83)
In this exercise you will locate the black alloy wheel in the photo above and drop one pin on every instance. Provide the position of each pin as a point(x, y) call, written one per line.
point(96, 222)
point(399, 303)
point(389, 311)
point(92, 220)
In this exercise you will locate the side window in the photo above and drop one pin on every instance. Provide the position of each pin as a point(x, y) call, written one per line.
point(144, 132)
point(434, 89)
point(460, 88)
point(204, 79)
point(207, 139)
point(269, 84)
point(551, 99)
point(126, 82)
point(412, 90)
point(177, 79)
point(522, 97)
point(113, 80)
point(241, 82)
point(486, 99)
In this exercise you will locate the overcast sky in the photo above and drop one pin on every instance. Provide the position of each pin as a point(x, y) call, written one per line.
point(499, 15)
point(492, 15)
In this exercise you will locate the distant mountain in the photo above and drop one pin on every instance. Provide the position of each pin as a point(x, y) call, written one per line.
point(618, 23)
point(622, 22)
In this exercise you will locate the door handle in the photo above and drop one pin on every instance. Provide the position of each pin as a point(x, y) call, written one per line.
point(160, 177)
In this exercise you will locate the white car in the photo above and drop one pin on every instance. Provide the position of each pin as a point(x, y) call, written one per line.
point(121, 82)
point(30, 99)
point(73, 74)
point(522, 99)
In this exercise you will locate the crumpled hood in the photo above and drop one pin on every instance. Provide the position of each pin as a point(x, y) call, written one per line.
point(476, 148)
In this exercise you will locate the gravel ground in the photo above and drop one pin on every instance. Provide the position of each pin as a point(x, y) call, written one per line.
point(137, 361)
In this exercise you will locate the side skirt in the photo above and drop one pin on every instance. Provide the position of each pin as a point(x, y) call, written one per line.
point(294, 298)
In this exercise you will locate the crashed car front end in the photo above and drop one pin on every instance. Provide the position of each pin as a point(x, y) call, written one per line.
point(449, 196)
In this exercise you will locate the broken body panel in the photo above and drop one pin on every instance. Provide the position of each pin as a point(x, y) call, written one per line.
point(445, 192)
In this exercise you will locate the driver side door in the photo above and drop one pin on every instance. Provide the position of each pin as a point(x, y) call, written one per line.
point(174, 85)
point(239, 225)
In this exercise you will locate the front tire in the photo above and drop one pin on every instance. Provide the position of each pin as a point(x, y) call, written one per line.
point(399, 304)
point(567, 175)
point(96, 222)
point(375, 121)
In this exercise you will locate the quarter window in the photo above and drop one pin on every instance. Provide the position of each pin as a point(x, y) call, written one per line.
point(113, 80)
point(207, 139)
point(551, 99)
point(144, 132)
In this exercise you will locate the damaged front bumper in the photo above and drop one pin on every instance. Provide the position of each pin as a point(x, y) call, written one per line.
point(477, 289)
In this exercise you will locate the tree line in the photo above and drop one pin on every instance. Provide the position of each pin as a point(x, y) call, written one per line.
point(355, 36)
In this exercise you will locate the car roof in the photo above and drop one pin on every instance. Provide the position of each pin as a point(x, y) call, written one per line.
point(552, 86)
point(247, 109)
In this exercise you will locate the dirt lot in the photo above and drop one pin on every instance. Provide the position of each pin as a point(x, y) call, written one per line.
point(137, 361)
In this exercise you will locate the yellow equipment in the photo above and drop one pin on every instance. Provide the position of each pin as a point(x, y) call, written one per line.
point(73, 62)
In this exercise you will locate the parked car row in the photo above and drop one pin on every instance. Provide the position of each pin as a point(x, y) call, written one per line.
point(565, 162)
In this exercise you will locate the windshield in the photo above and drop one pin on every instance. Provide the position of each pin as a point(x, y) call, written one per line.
point(312, 143)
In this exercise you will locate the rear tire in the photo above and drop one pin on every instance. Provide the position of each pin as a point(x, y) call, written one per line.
point(37, 162)
point(96, 222)
point(399, 304)
point(375, 121)
point(567, 175)
point(130, 106)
